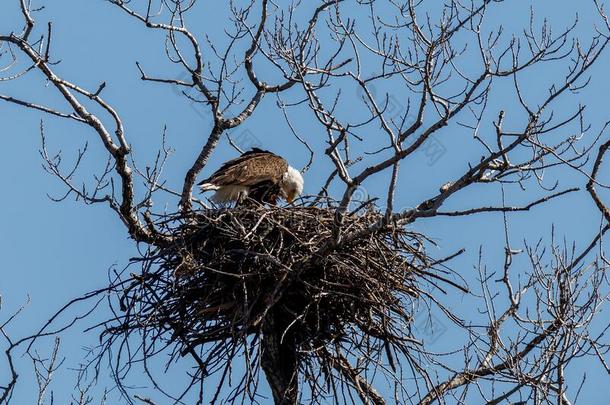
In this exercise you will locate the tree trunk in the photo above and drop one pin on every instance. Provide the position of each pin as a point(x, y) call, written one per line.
point(279, 361)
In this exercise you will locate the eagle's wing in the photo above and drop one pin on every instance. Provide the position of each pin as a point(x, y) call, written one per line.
point(251, 168)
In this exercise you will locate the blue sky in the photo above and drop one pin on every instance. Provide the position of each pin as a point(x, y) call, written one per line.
point(56, 251)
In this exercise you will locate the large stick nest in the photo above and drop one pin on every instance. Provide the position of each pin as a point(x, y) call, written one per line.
point(229, 270)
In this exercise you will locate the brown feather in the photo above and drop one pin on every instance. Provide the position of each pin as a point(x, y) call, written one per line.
point(249, 169)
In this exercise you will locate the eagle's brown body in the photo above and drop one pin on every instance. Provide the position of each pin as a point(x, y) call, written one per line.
point(257, 174)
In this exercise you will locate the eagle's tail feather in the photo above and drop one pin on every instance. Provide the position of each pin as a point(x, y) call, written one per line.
point(208, 186)
point(230, 193)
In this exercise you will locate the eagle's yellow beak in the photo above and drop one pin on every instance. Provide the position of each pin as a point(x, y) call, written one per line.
point(290, 199)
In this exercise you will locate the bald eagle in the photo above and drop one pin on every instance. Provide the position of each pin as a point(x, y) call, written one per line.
point(257, 174)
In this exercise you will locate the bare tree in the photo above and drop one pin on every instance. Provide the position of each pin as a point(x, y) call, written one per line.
point(321, 296)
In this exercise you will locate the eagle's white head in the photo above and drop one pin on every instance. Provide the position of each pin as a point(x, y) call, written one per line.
point(291, 184)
